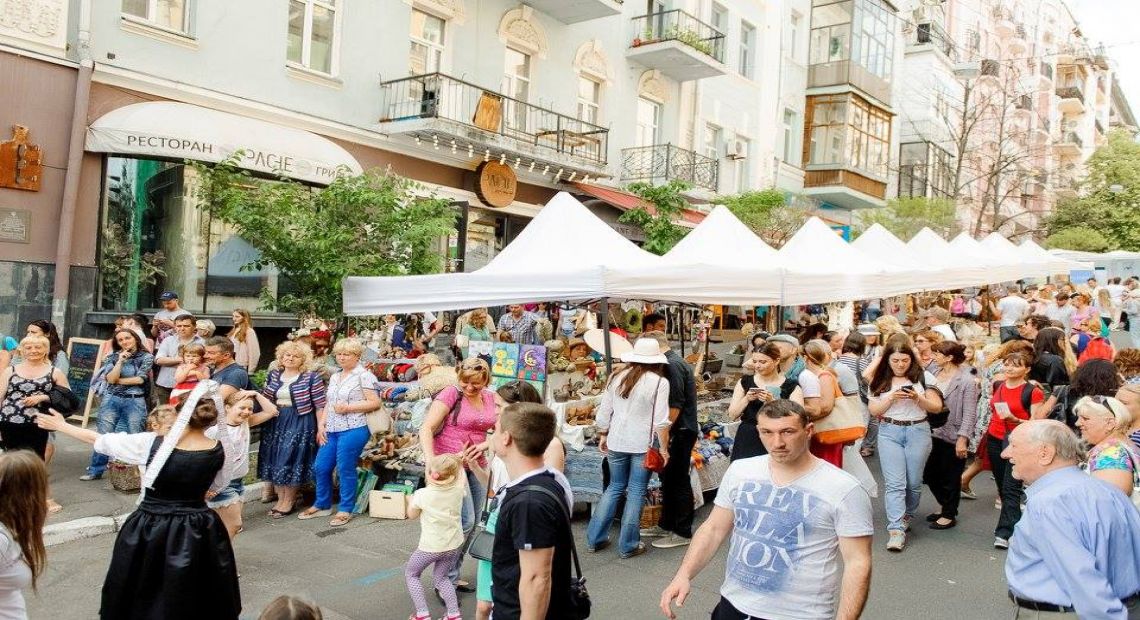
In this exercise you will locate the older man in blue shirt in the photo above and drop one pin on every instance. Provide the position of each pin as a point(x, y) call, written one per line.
point(1075, 553)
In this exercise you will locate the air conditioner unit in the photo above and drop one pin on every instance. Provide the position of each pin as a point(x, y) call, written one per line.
point(735, 150)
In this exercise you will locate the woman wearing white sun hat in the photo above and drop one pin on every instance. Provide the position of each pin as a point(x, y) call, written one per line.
point(634, 406)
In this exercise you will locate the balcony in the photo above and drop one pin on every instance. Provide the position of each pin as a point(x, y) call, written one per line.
point(1072, 99)
point(574, 11)
point(1067, 187)
point(1041, 131)
point(662, 163)
point(1069, 145)
point(1018, 42)
point(678, 45)
point(1066, 55)
point(472, 122)
point(932, 36)
point(1024, 102)
point(990, 68)
point(845, 189)
point(1003, 22)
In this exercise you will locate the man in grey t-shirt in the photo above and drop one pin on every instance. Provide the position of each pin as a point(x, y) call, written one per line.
point(167, 358)
point(788, 514)
point(1011, 309)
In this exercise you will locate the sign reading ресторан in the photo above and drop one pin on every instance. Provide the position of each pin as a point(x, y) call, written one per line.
point(175, 130)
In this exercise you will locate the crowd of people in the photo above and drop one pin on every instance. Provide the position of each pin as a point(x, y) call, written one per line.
point(1049, 407)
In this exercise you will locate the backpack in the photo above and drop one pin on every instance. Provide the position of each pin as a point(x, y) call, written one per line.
point(1026, 396)
point(1098, 348)
point(1063, 410)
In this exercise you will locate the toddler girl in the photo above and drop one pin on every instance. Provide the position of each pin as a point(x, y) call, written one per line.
point(441, 536)
point(235, 438)
point(192, 370)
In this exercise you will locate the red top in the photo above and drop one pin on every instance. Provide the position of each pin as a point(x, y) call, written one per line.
point(1012, 397)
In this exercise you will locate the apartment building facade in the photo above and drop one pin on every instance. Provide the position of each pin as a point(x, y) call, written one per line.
point(460, 95)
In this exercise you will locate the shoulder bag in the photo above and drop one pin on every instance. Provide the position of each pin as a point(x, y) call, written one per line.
point(61, 398)
point(653, 460)
point(579, 598)
point(845, 422)
point(937, 419)
point(481, 543)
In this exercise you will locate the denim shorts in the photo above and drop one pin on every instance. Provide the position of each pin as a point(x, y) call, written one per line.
point(230, 494)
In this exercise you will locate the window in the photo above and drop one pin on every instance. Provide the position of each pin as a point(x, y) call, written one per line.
point(516, 84)
point(793, 35)
point(830, 32)
point(925, 170)
point(874, 38)
point(791, 130)
point(743, 176)
point(828, 124)
point(427, 35)
point(589, 100)
point(168, 14)
point(719, 18)
point(712, 141)
point(847, 131)
point(149, 208)
point(747, 43)
point(312, 34)
point(648, 120)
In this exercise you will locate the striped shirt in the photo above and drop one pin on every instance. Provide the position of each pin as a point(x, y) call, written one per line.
point(308, 391)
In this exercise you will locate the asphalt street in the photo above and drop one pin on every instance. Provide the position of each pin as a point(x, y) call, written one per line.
point(357, 571)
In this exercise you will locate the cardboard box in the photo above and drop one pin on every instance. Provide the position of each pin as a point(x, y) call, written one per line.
point(388, 504)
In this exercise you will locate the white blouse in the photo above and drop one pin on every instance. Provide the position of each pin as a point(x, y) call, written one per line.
point(134, 449)
point(629, 419)
point(15, 576)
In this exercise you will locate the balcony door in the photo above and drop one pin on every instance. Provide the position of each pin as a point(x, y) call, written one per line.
point(648, 122)
point(516, 85)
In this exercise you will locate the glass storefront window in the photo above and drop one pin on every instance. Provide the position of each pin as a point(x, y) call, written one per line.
point(155, 238)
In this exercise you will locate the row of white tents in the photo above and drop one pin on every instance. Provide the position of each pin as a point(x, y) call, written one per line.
point(568, 254)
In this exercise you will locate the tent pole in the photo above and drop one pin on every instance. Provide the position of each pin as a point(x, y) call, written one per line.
point(681, 329)
point(606, 334)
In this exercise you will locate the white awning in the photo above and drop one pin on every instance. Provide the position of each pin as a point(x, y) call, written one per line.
point(183, 131)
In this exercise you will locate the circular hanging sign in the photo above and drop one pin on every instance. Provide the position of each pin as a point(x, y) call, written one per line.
point(495, 184)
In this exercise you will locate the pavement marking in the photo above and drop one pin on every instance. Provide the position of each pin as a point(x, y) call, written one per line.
point(379, 576)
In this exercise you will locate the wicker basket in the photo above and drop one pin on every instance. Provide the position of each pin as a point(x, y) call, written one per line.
point(124, 477)
point(650, 515)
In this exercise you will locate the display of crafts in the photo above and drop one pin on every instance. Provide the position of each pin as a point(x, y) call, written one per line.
point(581, 414)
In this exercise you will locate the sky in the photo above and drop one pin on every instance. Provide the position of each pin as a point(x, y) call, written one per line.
point(1113, 22)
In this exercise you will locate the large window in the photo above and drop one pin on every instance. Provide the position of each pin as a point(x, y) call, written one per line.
point(516, 84)
point(925, 170)
point(719, 18)
point(793, 35)
point(648, 121)
point(312, 34)
point(830, 31)
point(154, 237)
point(858, 30)
point(427, 43)
point(874, 38)
point(167, 14)
point(589, 99)
point(847, 131)
point(791, 154)
point(747, 48)
point(712, 141)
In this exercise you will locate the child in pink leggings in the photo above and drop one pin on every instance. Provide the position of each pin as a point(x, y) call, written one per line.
point(437, 505)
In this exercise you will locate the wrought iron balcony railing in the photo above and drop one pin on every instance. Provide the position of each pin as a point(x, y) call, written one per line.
point(661, 163)
point(935, 35)
point(677, 25)
point(435, 95)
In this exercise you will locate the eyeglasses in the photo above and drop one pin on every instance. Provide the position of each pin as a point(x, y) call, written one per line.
point(473, 363)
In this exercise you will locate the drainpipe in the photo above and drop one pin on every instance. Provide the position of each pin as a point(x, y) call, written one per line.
point(75, 151)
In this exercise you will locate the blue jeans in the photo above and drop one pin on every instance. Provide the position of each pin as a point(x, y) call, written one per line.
point(628, 476)
point(902, 457)
point(340, 452)
point(117, 414)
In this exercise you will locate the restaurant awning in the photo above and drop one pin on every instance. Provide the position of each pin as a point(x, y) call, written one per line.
point(171, 129)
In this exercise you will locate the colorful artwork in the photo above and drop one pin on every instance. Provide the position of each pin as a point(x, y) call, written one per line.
point(505, 360)
point(532, 362)
point(480, 348)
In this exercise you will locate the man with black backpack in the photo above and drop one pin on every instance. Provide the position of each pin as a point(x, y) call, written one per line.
point(534, 545)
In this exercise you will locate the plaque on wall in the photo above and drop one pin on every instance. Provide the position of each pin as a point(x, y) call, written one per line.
point(21, 163)
point(495, 184)
point(15, 225)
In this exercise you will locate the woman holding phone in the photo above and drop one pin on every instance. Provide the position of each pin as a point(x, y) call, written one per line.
point(751, 393)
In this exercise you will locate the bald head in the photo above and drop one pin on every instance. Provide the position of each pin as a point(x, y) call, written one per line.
point(1038, 447)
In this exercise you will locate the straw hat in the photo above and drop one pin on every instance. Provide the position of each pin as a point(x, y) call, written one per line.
point(868, 329)
point(595, 339)
point(645, 351)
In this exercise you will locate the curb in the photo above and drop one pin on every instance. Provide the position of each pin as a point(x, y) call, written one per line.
point(91, 527)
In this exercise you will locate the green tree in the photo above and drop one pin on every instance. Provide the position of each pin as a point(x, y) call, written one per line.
point(373, 224)
point(1110, 200)
point(772, 214)
point(661, 231)
point(1080, 238)
point(904, 217)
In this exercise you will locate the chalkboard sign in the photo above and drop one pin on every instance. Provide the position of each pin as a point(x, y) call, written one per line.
point(85, 358)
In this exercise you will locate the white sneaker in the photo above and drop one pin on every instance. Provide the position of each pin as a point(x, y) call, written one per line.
point(671, 541)
point(1001, 543)
point(968, 494)
point(654, 532)
point(897, 541)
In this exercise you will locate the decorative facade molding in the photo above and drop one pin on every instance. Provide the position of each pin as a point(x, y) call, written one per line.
point(40, 22)
point(591, 61)
point(521, 30)
point(447, 9)
point(651, 85)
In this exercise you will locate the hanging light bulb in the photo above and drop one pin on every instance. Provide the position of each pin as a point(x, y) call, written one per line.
point(545, 169)
point(470, 151)
point(586, 179)
point(487, 155)
point(435, 142)
point(572, 175)
point(417, 140)
point(517, 160)
point(502, 158)
point(531, 168)
point(453, 147)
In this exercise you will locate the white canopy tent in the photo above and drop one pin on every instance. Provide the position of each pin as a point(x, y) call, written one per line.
point(880, 243)
point(1002, 249)
point(1056, 264)
point(565, 253)
point(967, 249)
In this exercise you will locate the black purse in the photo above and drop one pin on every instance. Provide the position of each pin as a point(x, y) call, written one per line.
point(579, 608)
point(481, 543)
point(61, 398)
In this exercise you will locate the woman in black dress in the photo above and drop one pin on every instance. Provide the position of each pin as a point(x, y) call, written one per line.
point(172, 558)
point(753, 392)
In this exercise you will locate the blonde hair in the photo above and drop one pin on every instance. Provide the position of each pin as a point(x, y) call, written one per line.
point(931, 335)
point(818, 352)
point(888, 326)
point(445, 465)
point(474, 370)
point(1111, 408)
point(207, 325)
point(192, 348)
point(297, 348)
point(1104, 299)
point(34, 339)
point(240, 333)
point(478, 318)
point(351, 346)
point(425, 361)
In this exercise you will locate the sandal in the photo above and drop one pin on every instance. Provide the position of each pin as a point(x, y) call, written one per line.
point(313, 513)
point(340, 519)
point(281, 514)
point(53, 507)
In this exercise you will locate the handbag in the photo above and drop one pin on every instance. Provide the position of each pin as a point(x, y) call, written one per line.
point(653, 460)
point(845, 422)
point(61, 398)
point(579, 606)
point(481, 543)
